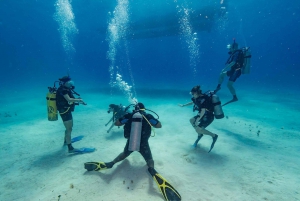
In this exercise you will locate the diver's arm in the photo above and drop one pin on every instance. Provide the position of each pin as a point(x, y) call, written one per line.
point(69, 99)
point(182, 105)
point(118, 123)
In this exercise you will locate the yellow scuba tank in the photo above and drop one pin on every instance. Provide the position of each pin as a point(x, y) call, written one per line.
point(51, 106)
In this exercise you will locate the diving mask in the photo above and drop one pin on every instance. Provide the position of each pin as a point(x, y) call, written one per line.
point(70, 84)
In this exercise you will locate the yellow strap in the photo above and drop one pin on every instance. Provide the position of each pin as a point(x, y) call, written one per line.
point(150, 125)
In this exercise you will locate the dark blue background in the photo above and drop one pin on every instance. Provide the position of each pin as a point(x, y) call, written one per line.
point(32, 55)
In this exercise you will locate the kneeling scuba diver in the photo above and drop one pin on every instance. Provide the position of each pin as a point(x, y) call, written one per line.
point(137, 130)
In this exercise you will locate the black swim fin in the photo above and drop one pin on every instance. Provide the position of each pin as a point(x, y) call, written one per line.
point(167, 190)
point(213, 143)
point(231, 101)
point(97, 166)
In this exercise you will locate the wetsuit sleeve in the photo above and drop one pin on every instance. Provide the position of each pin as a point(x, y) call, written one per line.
point(124, 119)
point(152, 120)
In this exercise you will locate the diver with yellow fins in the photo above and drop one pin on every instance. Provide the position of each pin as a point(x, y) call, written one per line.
point(137, 131)
point(62, 101)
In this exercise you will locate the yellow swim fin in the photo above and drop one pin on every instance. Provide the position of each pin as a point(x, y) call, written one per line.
point(167, 190)
point(97, 166)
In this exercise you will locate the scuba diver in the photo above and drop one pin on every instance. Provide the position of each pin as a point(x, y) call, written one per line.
point(208, 107)
point(233, 69)
point(137, 131)
point(65, 103)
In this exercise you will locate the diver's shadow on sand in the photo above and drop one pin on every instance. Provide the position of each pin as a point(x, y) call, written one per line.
point(121, 170)
point(124, 171)
point(115, 134)
point(244, 140)
point(55, 159)
point(52, 159)
point(200, 154)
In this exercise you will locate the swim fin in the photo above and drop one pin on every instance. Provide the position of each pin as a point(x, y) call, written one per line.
point(231, 101)
point(76, 139)
point(82, 150)
point(167, 190)
point(196, 142)
point(213, 143)
point(98, 166)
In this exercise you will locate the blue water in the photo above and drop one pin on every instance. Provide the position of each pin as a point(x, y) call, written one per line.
point(153, 51)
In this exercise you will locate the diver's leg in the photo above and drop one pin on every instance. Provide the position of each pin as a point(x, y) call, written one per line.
point(221, 77)
point(120, 157)
point(203, 131)
point(193, 121)
point(232, 90)
point(68, 125)
point(200, 135)
point(223, 74)
point(146, 153)
point(112, 125)
point(206, 132)
point(198, 139)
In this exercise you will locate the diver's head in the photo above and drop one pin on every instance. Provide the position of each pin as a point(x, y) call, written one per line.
point(234, 46)
point(196, 91)
point(139, 106)
point(112, 108)
point(65, 79)
point(67, 82)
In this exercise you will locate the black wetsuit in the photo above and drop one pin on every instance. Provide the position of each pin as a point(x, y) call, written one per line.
point(65, 110)
point(200, 103)
point(236, 70)
point(146, 132)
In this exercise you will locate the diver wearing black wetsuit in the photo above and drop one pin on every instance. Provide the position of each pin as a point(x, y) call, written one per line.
point(63, 106)
point(145, 150)
point(204, 117)
point(65, 103)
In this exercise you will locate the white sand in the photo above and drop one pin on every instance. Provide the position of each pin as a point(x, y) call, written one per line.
point(242, 166)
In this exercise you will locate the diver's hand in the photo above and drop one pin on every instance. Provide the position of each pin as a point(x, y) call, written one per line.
point(81, 101)
point(180, 105)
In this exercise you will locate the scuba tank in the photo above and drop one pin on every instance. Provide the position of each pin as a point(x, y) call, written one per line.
point(247, 59)
point(135, 132)
point(218, 111)
point(216, 104)
point(51, 104)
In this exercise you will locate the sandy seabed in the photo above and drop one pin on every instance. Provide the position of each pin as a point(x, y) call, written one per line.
point(255, 158)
